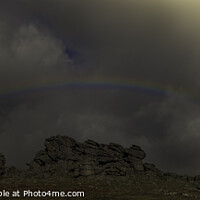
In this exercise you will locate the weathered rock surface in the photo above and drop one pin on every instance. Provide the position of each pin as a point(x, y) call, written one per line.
point(66, 156)
point(63, 156)
point(151, 170)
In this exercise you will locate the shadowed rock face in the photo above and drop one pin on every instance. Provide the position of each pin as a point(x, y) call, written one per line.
point(65, 155)
point(2, 164)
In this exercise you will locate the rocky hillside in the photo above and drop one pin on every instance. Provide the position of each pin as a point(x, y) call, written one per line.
point(103, 171)
point(63, 155)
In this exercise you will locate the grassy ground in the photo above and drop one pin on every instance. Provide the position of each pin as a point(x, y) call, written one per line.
point(134, 188)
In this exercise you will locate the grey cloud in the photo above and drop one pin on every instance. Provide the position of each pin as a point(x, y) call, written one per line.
point(41, 41)
point(31, 54)
point(171, 134)
point(115, 38)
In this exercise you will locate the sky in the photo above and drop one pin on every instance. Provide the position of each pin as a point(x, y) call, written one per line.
point(112, 71)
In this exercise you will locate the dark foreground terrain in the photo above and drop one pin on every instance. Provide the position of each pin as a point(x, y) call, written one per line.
point(102, 172)
point(133, 188)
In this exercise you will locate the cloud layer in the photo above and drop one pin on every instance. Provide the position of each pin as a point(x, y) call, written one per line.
point(43, 42)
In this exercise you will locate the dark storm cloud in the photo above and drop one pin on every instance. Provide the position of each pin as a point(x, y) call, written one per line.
point(170, 133)
point(31, 53)
point(115, 38)
point(43, 40)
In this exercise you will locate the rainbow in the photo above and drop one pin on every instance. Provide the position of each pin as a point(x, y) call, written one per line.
point(146, 86)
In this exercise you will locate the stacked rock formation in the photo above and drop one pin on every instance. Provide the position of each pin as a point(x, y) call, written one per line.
point(65, 155)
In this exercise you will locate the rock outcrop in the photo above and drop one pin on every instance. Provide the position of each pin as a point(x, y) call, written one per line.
point(2, 164)
point(66, 156)
point(151, 170)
